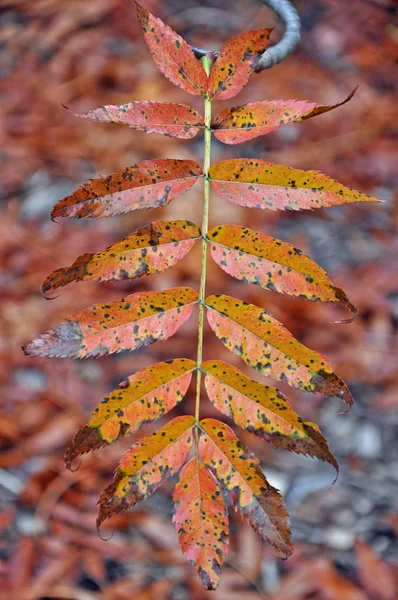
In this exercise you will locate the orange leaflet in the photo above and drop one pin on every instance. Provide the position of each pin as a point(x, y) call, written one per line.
point(146, 466)
point(138, 320)
point(149, 184)
point(201, 520)
point(236, 62)
point(142, 398)
point(257, 183)
point(172, 55)
point(265, 344)
point(150, 250)
point(272, 264)
point(263, 410)
point(241, 123)
point(240, 475)
point(166, 118)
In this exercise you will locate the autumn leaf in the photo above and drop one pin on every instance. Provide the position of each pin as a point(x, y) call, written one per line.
point(151, 116)
point(263, 410)
point(150, 250)
point(235, 63)
point(272, 264)
point(241, 123)
point(265, 344)
point(201, 520)
point(376, 576)
point(149, 184)
point(172, 55)
point(219, 469)
point(240, 475)
point(142, 398)
point(257, 183)
point(138, 320)
point(146, 465)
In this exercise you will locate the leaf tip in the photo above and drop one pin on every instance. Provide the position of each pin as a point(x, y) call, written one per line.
point(68, 465)
point(99, 520)
point(33, 348)
point(332, 385)
point(53, 215)
point(47, 287)
point(142, 13)
point(86, 440)
point(349, 97)
point(105, 503)
point(342, 297)
point(347, 397)
point(335, 479)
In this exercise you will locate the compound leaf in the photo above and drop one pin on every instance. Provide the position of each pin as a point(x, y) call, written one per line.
point(241, 123)
point(149, 184)
point(172, 55)
point(240, 475)
point(263, 410)
point(146, 465)
point(260, 184)
point(201, 520)
point(235, 63)
point(265, 344)
point(142, 398)
point(151, 116)
point(138, 320)
point(150, 250)
point(272, 264)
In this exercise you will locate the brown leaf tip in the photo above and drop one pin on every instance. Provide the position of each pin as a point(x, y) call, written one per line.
point(330, 384)
point(108, 504)
point(323, 451)
point(205, 577)
point(111, 504)
point(342, 297)
point(86, 440)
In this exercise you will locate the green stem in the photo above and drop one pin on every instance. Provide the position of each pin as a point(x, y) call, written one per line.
point(206, 62)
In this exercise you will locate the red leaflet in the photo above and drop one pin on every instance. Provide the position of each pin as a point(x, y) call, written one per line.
point(236, 62)
point(149, 250)
point(150, 184)
point(257, 183)
point(137, 320)
point(146, 466)
point(241, 123)
point(172, 55)
point(201, 520)
point(142, 398)
point(272, 264)
point(240, 475)
point(263, 410)
point(265, 344)
point(166, 118)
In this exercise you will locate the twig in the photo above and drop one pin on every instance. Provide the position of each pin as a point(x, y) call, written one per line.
point(291, 38)
point(289, 42)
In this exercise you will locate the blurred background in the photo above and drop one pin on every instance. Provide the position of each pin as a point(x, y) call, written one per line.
point(89, 53)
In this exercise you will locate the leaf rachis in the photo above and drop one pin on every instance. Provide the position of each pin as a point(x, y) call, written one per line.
point(205, 224)
point(216, 468)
